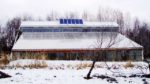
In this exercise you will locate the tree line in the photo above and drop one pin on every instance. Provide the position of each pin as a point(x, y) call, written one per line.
point(141, 35)
point(136, 30)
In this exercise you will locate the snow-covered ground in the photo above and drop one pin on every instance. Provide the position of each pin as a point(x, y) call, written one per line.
point(71, 72)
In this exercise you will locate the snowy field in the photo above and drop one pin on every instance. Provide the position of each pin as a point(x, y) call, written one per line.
point(73, 72)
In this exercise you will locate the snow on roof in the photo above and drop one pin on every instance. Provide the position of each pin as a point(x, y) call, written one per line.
point(84, 43)
point(57, 24)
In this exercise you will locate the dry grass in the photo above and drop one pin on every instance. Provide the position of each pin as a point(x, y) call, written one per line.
point(3, 60)
point(128, 65)
point(83, 65)
point(37, 56)
point(43, 57)
point(35, 64)
point(17, 65)
point(87, 65)
point(99, 66)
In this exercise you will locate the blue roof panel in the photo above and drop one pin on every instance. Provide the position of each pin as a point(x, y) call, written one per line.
point(73, 21)
point(69, 21)
point(81, 21)
point(65, 21)
point(61, 21)
point(77, 21)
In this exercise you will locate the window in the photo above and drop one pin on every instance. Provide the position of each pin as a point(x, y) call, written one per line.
point(109, 55)
point(135, 54)
point(59, 29)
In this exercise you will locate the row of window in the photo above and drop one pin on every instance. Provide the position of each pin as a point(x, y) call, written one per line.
point(110, 55)
point(125, 55)
point(122, 55)
point(69, 30)
point(50, 35)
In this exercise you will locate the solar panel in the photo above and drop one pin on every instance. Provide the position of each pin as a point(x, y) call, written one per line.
point(73, 21)
point(65, 21)
point(77, 21)
point(80, 21)
point(61, 21)
point(69, 21)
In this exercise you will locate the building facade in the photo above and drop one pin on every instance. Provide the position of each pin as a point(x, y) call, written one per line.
point(73, 39)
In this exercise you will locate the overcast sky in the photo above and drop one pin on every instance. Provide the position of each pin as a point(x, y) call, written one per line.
point(40, 8)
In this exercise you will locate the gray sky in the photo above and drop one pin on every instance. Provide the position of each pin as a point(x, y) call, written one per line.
point(40, 8)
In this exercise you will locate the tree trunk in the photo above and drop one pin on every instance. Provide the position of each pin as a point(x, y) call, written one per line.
point(4, 75)
point(149, 68)
point(89, 73)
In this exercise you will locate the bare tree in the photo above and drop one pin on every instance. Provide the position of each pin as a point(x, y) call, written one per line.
point(27, 17)
point(52, 16)
point(85, 16)
point(0, 29)
point(106, 14)
point(104, 42)
point(39, 18)
point(127, 22)
point(71, 15)
point(111, 15)
point(12, 31)
point(0, 39)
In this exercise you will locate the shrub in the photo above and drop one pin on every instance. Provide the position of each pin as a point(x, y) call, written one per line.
point(18, 65)
point(128, 64)
point(69, 66)
point(44, 64)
